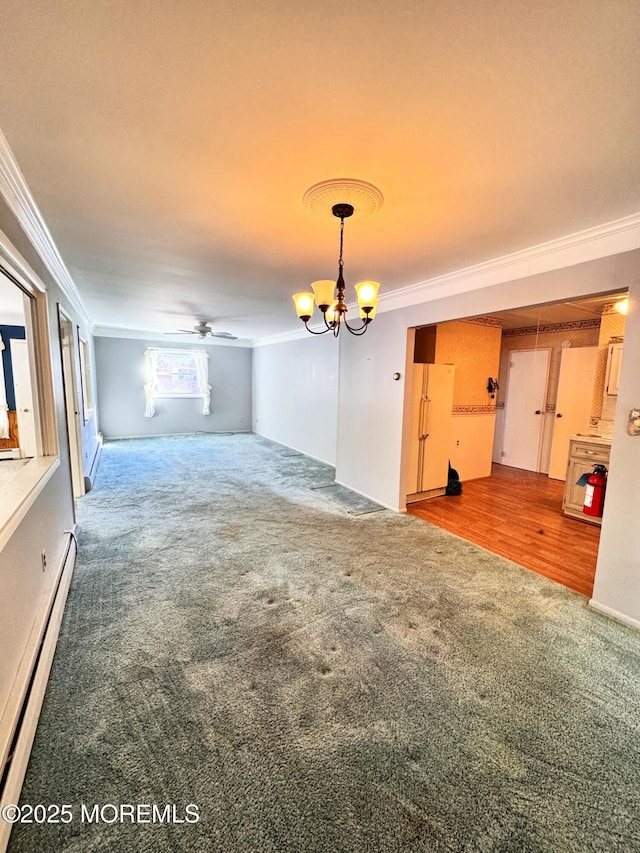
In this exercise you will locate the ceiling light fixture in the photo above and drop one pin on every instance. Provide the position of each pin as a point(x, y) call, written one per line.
point(329, 295)
point(623, 306)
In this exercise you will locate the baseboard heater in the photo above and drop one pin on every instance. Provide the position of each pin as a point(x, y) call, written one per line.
point(42, 652)
point(88, 480)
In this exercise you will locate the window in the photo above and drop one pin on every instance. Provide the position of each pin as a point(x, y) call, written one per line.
point(28, 435)
point(176, 373)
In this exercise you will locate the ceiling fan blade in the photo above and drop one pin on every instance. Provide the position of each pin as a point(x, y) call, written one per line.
point(226, 335)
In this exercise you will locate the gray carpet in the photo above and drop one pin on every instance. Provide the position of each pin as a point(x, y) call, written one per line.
point(316, 681)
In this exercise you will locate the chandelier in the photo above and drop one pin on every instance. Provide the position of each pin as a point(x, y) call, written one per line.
point(329, 295)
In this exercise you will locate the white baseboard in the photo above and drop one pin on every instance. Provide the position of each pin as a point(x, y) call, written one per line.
point(179, 434)
point(296, 449)
point(40, 657)
point(10, 453)
point(370, 498)
point(615, 614)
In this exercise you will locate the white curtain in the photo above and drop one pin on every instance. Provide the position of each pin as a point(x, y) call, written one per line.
point(203, 380)
point(150, 386)
point(4, 417)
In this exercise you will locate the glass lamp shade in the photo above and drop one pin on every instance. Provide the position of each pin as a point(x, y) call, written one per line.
point(304, 304)
point(370, 315)
point(367, 294)
point(325, 291)
point(330, 314)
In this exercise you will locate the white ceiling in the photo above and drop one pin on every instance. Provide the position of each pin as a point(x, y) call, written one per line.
point(169, 144)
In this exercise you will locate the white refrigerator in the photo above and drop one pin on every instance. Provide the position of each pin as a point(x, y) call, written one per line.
point(431, 430)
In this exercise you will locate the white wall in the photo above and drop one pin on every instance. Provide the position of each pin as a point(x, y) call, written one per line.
point(120, 370)
point(617, 585)
point(370, 409)
point(295, 394)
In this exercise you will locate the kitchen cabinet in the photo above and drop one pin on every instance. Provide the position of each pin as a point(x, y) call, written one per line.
point(584, 453)
point(614, 360)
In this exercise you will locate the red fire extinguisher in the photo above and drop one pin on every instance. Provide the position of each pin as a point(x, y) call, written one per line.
point(595, 490)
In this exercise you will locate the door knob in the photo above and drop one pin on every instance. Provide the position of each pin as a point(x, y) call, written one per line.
point(25, 410)
point(538, 412)
point(559, 415)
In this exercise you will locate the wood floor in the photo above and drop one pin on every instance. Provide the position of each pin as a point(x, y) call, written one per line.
point(518, 514)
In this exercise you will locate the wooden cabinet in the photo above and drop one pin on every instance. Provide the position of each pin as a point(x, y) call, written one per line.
point(584, 453)
point(614, 359)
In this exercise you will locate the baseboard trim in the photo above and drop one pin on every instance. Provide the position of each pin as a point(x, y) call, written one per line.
point(297, 449)
point(40, 657)
point(615, 614)
point(369, 497)
point(179, 434)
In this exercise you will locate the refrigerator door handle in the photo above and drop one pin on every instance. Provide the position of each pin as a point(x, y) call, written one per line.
point(425, 404)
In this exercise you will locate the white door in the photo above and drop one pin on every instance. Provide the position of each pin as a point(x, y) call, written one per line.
point(24, 398)
point(573, 404)
point(525, 405)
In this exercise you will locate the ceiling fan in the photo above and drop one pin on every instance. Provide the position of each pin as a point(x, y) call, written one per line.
point(204, 330)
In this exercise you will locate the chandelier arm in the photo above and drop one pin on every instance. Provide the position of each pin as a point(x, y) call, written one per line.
point(323, 332)
point(358, 330)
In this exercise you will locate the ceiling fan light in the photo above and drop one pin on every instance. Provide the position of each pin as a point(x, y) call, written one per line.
point(367, 294)
point(325, 292)
point(304, 304)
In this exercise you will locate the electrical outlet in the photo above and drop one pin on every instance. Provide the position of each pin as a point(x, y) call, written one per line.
point(44, 560)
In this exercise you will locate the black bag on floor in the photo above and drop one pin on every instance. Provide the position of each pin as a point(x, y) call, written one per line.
point(454, 486)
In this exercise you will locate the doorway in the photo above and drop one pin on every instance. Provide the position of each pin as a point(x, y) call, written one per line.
point(71, 400)
point(518, 409)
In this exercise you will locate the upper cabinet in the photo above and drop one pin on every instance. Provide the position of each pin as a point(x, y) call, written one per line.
point(614, 359)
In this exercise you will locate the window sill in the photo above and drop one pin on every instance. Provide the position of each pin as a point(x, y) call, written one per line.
point(20, 493)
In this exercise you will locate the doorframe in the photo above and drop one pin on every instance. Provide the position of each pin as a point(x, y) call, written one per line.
point(21, 356)
point(69, 359)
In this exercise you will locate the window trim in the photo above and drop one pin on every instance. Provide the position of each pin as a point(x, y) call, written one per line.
point(21, 492)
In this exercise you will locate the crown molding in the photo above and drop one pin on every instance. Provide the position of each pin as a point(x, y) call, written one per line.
point(611, 238)
point(16, 193)
point(281, 338)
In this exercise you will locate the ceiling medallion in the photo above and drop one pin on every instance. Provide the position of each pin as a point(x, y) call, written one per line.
point(362, 196)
